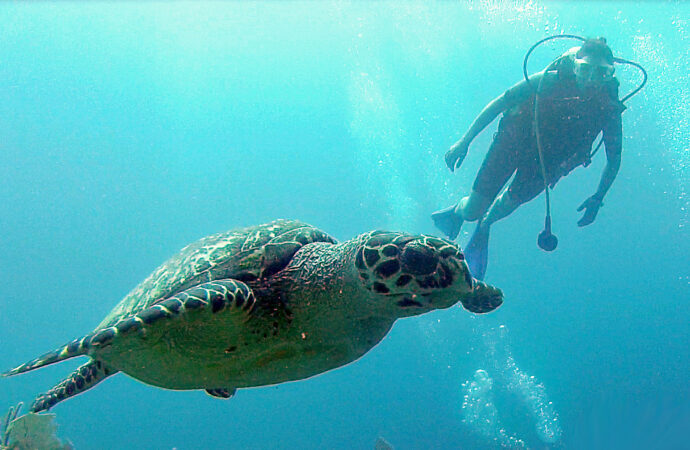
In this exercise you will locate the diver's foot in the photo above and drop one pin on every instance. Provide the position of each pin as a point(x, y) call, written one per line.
point(448, 222)
point(477, 251)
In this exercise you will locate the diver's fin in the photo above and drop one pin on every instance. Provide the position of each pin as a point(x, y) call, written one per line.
point(477, 251)
point(448, 221)
point(221, 393)
point(85, 377)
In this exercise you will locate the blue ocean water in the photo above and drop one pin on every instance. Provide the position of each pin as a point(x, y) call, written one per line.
point(128, 130)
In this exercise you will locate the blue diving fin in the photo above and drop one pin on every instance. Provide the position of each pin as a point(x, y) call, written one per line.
point(477, 251)
point(447, 221)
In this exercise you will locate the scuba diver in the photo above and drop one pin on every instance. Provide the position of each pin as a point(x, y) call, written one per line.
point(550, 121)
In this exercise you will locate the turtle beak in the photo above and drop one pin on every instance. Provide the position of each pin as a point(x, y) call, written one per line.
point(483, 298)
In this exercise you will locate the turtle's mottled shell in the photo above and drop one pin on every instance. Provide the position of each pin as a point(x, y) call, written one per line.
point(244, 254)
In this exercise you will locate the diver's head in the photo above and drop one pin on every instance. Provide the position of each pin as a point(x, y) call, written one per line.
point(593, 63)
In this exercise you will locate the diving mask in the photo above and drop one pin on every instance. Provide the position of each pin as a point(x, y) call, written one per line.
point(588, 72)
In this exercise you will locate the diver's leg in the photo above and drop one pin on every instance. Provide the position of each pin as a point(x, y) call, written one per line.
point(498, 166)
point(526, 185)
point(473, 206)
point(504, 206)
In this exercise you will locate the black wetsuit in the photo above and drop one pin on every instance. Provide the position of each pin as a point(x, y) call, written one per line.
point(570, 121)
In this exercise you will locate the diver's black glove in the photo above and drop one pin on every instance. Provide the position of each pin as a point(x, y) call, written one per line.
point(591, 207)
point(456, 155)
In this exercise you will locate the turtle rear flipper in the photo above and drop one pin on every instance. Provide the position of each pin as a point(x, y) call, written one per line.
point(221, 393)
point(85, 377)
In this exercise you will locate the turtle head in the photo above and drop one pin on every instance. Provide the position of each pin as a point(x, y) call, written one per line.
point(417, 273)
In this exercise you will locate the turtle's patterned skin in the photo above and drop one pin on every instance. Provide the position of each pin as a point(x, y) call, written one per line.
point(267, 304)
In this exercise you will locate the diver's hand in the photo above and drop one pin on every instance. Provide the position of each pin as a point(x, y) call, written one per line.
point(456, 154)
point(591, 207)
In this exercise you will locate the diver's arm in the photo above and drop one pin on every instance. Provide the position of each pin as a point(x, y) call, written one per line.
point(510, 98)
point(613, 138)
point(485, 117)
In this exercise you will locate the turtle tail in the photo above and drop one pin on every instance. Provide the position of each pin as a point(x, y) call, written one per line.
point(85, 377)
point(77, 347)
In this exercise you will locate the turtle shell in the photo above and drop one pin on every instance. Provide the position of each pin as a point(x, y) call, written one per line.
point(245, 254)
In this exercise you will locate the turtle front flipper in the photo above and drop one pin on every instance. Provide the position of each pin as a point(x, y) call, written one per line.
point(85, 377)
point(219, 295)
point(178, 341)
point(215, 296)
point(113, 346)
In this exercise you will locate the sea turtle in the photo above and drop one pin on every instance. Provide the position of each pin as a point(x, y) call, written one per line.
point(266, 304)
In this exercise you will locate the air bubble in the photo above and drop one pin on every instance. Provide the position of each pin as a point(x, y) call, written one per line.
point(479, 409)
